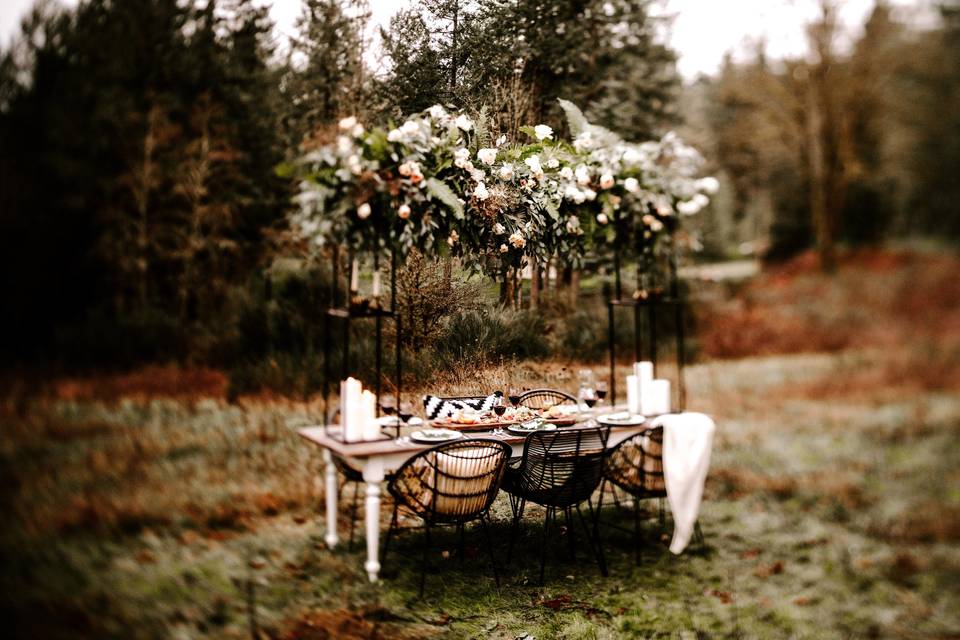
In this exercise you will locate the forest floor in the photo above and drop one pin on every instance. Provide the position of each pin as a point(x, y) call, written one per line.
point(135, 508)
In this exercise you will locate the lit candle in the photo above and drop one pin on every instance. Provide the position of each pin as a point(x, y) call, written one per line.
point(643, 371)
point(354, 276)
point(376, 284)
point(368, 403)
point(655, 398)
point(353, 425)
point(633, 394)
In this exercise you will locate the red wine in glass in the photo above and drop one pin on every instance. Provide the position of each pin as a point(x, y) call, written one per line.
point(602, 394)
point(388, 409)
point(499, 409)
point(590, 401)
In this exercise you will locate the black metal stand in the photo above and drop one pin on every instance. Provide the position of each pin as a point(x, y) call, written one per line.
point(346, 310)
point(645, 310)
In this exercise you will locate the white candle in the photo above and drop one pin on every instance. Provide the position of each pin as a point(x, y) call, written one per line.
point(655, 398)
point(353, 426)
point(368, 403)
point(376, 284)
point(354, 276)
point(643, 371)
point(633, 394)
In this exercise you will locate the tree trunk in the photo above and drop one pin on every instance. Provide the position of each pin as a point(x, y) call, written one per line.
point(574, 287)
point(534, 284)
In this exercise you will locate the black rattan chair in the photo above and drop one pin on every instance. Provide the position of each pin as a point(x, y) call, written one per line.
point(636, 466)
point(544, 398)
point(451, 484)
point(559, 470)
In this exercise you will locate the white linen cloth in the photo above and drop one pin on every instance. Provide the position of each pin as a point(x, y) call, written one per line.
point(687, 442)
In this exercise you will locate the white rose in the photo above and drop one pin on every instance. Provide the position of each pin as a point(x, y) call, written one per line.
point(364, 211)
point(506, 171)
point(701, 200)
point(583, 175)
point(543, 132)
point(499, 229)
point(487, 156)
point(606, 181)
point(464, 123)
point(631, 184)
point(357, 130)
point(404, 211)
point(410, 128)
point(602, 218)
point(501, 140)
point(590, 194)
point(395, 135)
point(504, 248)
point(534, 163)
point(348, 123)
point(437, 112)
point(481, 192)
point(688, 208)
point(478, 175)
point(405, 169)
point(461, 157)
point(553, 163)
point(572, 193)
point(566, 173)
point(344, 144)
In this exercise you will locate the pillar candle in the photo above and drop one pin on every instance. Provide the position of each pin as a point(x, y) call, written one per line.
point(633, 394)
point(655, 398)
point(371, 430)
point(354, 276)
point(643, 371)
point(353, 425)
point(376, 284)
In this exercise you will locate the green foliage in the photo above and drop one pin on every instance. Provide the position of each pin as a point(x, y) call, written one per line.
point(493, 334)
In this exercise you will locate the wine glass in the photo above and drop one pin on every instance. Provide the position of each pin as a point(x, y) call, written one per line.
point(499, 407)
point(601, 389)
point(388, 404)
point(405, 412)
point(589, 397)
point(514, 395)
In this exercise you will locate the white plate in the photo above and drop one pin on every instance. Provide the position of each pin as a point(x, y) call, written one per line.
point(392, 421)
point(519, 430)
point(621, 419)
point(443, 435)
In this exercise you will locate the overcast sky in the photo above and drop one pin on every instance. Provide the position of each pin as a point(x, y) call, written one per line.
point(703, 30)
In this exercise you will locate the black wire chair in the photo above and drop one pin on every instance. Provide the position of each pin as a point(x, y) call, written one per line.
point(559, 470)
point(451, 484)
point(545, 398)
point(636, 466)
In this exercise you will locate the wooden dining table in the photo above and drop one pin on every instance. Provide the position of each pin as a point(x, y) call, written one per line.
point(378, 458)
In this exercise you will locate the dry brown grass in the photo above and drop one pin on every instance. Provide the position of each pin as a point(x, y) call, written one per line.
point(877, 298)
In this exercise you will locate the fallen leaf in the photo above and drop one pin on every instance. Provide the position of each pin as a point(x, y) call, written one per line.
point(767, 570)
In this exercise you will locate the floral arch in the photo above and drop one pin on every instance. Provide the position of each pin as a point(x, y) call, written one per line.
point(439, 183)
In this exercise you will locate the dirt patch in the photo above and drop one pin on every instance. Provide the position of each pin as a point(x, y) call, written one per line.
point(366, 624)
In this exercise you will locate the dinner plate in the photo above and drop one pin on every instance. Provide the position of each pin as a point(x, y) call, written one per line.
point(621, 419)
point(433, 436)
point(522, 429)
point(392, 421)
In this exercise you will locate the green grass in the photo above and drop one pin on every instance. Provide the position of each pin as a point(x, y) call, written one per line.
point(832, 510)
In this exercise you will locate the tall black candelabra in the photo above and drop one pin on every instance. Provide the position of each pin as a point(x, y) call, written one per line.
point(350, 307)
point(650, 298)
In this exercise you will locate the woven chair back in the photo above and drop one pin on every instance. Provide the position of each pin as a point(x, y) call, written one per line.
point(544, 398)
point(636, 465)
point(452, 482)
point(563, 468)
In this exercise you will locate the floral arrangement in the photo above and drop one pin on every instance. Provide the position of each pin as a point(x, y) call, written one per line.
point(439, 183)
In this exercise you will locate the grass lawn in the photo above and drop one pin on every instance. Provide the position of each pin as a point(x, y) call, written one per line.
point(832, 510)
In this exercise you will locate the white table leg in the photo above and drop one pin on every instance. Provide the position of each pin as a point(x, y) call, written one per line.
point(331, 502)
point(373, 476)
